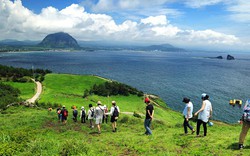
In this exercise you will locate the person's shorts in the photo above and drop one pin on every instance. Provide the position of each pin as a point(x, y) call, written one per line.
point(113, 119)
point(64, 118)
point(98, 120)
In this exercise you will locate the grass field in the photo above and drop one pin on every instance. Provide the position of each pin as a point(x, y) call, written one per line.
point(27, 89)
point(35, 131)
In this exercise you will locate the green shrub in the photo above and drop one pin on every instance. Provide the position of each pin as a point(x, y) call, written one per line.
point(8, 95)
point(112, 88)
point(137, 115)
point(124, 119)
point(71, 147)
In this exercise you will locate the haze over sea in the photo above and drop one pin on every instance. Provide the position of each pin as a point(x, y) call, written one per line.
point(171, 75)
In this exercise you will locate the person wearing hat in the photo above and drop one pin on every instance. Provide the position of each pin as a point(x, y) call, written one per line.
point(187, 113)
point(99, 111)
point(83, 115)
point(114, 112)
point(90, 115)
point(149, 117)
point(75, 113)
point(204, 114)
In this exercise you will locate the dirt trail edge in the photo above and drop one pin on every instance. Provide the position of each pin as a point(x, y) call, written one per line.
point(38, 92)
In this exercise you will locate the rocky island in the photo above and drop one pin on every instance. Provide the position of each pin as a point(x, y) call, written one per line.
point(229, 57)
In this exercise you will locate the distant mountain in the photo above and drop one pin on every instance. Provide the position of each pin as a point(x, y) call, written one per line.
point(59, 40)
point(11, 42)
point(122, 46)
point(164, 47)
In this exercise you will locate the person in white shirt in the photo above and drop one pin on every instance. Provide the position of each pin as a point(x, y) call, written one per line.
point(114, 113)
point(83, 115)
point(188, 114)
point(99, 111)
point(90, 115)
point(204, 114)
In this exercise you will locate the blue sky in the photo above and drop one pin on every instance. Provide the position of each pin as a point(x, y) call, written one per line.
point(205, 24)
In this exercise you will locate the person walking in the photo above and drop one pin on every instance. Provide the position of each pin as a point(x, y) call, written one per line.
point(58, 110)
point(99, 111)
point(75, 113)
point(105, 116)
point(83, 115)
point(204, 114)
point(245, 123)
point(90, 115)
point(114, 113)
point(64, 113)
point(149, 117)
point(188, 114)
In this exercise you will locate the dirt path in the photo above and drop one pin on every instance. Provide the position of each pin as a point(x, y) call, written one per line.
point(131, 113)
point(38, 92)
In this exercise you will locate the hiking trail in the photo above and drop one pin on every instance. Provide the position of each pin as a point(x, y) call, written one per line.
point(38, 92)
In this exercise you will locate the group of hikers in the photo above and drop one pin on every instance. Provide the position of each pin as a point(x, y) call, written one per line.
point(98, 114)
point(205, 113)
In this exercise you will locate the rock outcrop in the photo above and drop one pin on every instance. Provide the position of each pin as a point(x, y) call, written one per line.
point(229, 57)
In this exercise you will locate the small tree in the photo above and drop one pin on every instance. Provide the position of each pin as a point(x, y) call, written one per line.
point(86, 93)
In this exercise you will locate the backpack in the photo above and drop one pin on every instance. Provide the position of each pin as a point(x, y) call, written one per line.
point(246, 111)
point(83, 113)
point(75, 112)
point(115, 113)
point(65, 113)
point(92, 113)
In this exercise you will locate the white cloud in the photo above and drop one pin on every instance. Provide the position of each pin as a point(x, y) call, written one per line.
point(156, 20)
point(202, 3)
point(17, 22)
point(133, 7)
point(107, 5)
point(211, 37)
point(240, 11)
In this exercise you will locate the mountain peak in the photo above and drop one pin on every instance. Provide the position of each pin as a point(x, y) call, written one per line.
point(59, 40)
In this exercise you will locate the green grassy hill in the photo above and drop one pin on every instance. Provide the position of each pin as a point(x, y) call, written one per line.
point(35, 131)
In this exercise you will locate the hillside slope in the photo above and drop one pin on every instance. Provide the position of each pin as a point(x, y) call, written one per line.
point(34, 131)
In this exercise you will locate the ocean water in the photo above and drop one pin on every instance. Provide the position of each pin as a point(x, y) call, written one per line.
point(170, 75)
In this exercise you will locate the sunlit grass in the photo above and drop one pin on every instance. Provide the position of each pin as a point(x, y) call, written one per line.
point(27, 89)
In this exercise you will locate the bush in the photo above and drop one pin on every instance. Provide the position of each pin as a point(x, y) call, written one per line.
point(72, 148)
point(8, 95)
point(124, 119)
point(23, 80)
point(47, 105)
point(137, 115)
point(112, 88)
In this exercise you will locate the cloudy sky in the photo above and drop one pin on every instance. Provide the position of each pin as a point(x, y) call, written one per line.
point(205, 24)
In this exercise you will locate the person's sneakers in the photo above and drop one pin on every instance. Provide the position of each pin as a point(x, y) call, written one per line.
point(241, 146)
point(193, 131)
